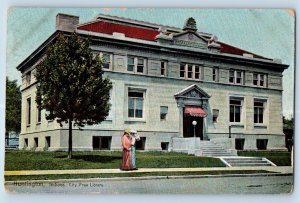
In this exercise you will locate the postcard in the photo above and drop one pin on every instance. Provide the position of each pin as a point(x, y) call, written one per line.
point(150, 101)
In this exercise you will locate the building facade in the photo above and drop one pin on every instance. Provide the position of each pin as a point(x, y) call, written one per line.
point(164, 78)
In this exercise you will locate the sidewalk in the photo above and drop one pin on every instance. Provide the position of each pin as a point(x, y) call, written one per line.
point(275, 169)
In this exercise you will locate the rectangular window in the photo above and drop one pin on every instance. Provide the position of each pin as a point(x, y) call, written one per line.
point(48, 142)
point(28, 78)
point(130, 63)
point(190, 71)
point(107, 60)
point(239, 77)
point(39, 112)
point(39, 108)
point(261, 144)
point(140, 65)
point(259, 79)
point(135, 104)
point(102, 142)
point(25, 143)
point(135, 64)
point(140, 145)
point(164, 146)
point(36, 142)
point(236, 77)
point(197, 72)
point(262, 80)
point(163, 112)
point(215, 74)
point(28, 111)
point(258, 111)
point(235, 110)
point(182, 70)
point(163, 68)
point(215, 115)
point(239, 143)
point(231, 76)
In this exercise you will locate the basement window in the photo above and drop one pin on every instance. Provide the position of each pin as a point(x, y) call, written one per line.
point(48, 142)
point(239, 144)
point(261, 144)
point(140, 145)
point(165, 146)
point(102, 142)
point(36, 142)
point(25, 143)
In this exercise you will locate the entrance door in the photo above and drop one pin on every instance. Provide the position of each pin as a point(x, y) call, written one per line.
point(188, 128)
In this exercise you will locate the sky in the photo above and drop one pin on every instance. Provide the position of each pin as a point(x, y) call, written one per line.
point(266, 32)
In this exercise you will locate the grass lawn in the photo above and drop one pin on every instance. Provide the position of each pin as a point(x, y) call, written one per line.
point(23, 160)
point(112, 175)
point(278, 158)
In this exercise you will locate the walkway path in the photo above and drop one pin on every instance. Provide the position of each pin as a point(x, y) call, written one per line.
point(278, 169)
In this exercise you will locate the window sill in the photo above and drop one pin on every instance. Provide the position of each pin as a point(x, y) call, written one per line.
point(258, 86)
point(238, 84)
point(135, 120)
point(28, 125)
point(236, 125)
point(38, 123)
point(257, 125)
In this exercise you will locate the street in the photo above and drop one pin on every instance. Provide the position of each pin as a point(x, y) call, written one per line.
point(203, 185)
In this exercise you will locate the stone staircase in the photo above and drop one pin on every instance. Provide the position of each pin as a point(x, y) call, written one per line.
point(212, 149)
point(246, 161)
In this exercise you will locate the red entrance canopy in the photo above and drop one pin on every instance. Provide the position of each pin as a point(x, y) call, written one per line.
point(194, 111)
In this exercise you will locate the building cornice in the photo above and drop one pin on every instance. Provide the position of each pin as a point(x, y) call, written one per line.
point(142, 44)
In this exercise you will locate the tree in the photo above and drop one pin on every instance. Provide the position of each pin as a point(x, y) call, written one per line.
point(70, 84)
point(13, 107)
point(288, 123)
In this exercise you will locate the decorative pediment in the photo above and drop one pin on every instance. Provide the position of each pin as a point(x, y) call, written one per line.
point(190, 39)
point(192, 92)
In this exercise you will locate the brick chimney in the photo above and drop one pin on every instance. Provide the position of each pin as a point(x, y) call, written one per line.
point(66, 22)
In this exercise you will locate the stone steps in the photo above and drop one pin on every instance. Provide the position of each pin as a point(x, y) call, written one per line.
point(247, 161)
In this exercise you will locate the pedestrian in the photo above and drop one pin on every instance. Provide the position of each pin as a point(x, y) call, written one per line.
point(135, 138)
point(126, 144)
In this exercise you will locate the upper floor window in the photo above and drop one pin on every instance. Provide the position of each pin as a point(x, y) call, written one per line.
point(182, 70)
point(259, 106)
point(163, 68)
point(259, 79)
point(28, 111)
point(215, 74)
point(130, 63)
point(236, 77)
point(107, 60)
point(197, 72)
point(28, 78)
point(190, 71)
point(136, 64)
point(135, 104)
point(235, 105)
point(39, 113)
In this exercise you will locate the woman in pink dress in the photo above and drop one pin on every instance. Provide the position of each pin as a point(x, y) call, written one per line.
point(126, 143)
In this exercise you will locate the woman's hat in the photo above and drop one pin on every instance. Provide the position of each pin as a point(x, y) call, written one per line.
point(133, 131)
point(127, 131)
